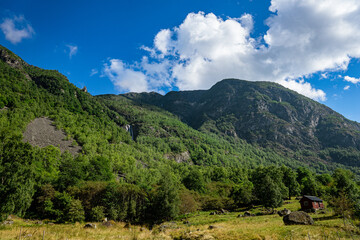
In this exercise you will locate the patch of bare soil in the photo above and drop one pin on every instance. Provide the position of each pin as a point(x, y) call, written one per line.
point(41, 132)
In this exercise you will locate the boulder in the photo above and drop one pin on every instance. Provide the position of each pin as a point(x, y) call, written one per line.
point(107, 224)
point(90, 225)
point(284, 212)
point(247, 214)
point(298, 218)
point(212, 227)
point(223, 211)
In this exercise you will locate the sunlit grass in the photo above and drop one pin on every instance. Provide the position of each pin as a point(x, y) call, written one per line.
point(227, 226)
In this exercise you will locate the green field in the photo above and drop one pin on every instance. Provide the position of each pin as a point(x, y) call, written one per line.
point(195, 226)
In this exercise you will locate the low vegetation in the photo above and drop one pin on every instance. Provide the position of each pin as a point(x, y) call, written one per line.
point(198, 225)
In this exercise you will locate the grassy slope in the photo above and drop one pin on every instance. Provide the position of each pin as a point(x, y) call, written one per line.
point(228, 226)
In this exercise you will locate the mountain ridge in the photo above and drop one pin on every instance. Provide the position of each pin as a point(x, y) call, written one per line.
point(236, 122)
point(261, 113)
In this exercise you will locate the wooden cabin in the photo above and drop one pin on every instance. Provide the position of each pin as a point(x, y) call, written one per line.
point(311, 203)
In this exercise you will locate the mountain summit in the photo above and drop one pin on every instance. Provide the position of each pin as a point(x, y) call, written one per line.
point(262, 113)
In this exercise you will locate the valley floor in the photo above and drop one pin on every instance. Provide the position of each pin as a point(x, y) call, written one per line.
point(200, 226)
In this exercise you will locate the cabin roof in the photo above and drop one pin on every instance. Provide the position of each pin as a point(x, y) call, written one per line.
point(312, 198)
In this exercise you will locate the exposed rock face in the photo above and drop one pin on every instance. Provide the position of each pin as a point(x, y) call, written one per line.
point(41, 132)
point(13, 60)
point(298, 218)
point(179, 158)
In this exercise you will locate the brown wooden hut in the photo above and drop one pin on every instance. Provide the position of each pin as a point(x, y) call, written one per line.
point(311, 203)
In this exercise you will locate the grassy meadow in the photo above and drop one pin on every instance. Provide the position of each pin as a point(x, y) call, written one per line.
point(199, 225)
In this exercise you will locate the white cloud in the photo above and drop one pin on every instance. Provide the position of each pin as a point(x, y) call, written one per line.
point(304, 37)
point(304, 88)
point(72, 50)
point(124, 77)
point(93, 72)
point(347, 87)
point(352, 79)
point(16, 29)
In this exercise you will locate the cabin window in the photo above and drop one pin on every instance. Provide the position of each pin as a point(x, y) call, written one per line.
point(306, 203)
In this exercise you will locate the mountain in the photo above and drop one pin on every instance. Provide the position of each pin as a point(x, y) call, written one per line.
point(265, 114)
point(67, 156)
point(235, 123)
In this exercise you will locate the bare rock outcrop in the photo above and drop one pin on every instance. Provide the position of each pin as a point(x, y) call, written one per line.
point(298, 218)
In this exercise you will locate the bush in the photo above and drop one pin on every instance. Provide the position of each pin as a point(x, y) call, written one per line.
point(97, 214)
point(76, 211)
point(188, 202)
point(216, 203)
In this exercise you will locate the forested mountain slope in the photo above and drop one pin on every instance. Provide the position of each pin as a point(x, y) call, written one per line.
point(268, 115)
point(203, 148)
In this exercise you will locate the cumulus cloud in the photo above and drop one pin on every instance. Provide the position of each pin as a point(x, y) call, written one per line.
point(304, 37)
point(72, 50)
point(124, 77)
point(347, 87)
point(352, 79)
point(16, 29)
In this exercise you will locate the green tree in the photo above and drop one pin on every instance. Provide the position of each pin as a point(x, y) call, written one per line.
point(289, 179)
point(242, 193)
point(194, 180)
point(16, 178)
point(345, 193)
point(269, 189)
point(165, 200)
point(76, 211)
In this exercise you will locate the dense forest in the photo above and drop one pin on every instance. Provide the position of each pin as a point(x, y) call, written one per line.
point(164, 169)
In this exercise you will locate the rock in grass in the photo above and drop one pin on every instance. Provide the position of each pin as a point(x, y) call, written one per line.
point(298, 218)
point(247, 214)
point(284, 212)
point(90, 225)
point(8, 222)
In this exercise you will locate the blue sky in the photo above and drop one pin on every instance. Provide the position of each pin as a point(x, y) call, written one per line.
point(312, 47)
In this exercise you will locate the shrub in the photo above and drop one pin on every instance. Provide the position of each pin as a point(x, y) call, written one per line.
point(188, 202)
point(76, 211)
point(97, 214)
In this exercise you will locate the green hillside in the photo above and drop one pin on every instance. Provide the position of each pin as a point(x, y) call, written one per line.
point(146, 158)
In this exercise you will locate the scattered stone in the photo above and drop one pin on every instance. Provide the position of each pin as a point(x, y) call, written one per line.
point(212, 227)
point(213, 213)
point(39, 222)
point(42, 132)
point(8, 222)
point(322, 212)
point(107, 224)
point(223, 211)
point(284, 212)
point(247, 214)
point(298, 218)
point(90, 225)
